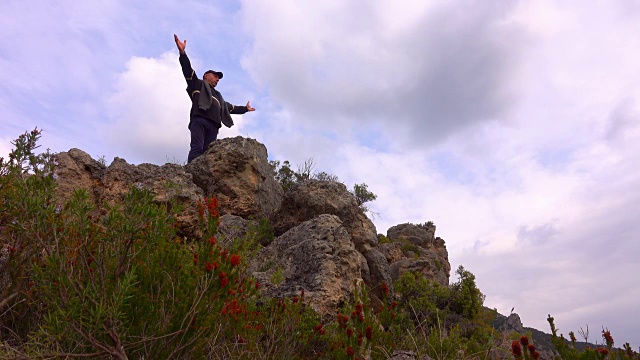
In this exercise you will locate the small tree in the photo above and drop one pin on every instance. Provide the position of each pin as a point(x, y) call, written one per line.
point(363, 195)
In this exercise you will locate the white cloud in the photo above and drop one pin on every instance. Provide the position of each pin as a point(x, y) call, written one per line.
point(440, 70)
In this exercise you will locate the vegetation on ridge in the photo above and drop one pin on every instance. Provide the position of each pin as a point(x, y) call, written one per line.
point(79, 283)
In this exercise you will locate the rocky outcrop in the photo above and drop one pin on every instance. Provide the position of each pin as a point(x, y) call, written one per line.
point(415, 248)
point(316, 256)
point(237, 172)
point(77, 170)
point(170, 184)
point(321, 241)
point(312, 198)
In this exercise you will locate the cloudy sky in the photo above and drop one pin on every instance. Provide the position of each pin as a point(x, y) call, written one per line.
point(513, 125)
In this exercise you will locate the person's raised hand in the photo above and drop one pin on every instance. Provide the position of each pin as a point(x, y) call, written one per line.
point(249, 108)
point(181, 45)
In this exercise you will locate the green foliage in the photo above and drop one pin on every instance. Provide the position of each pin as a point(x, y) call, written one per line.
point(468, 298)
point(568, 350)
point(263, 232)
point(283, 174)
point(363, 195)
point(383, 239)
point(288, 178)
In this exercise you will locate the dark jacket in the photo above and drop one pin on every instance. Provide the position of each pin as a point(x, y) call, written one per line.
point(219, 110)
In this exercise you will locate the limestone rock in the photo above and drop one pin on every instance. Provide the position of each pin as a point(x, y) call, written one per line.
point(415, 248)
point(316, 256)
point(311, 198)
point(420, 235)
point(76, 170)
point(170, 184)
point(231, 227)
point(237, 172)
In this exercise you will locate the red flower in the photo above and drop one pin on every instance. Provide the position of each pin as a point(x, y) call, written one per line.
point(212, 206)
point(350, 351)
point(212, 240)
point(349, 332)
point(368, 332)
point(235, 260)
point(195, 258)
point(385, 289)
point(607, 337)
point(358, 308)
point(603, 351)
point(536, 355)
point(257, 285)
point(209, 266)
point(531, 348)
point(516, 349)
point(224, 281)
point(524, 341)
point(394, 304)
point(295, 299)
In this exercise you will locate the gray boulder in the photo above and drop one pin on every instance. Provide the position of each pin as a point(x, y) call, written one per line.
point(170, 184)
point(415, 248)
point(237, 172)
point(316, 256)
point(76, 170)
point(312, 198)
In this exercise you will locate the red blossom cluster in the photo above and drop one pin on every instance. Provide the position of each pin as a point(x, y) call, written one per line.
point(385, 289)
point(357, 313)
point(516, 349)
point(234, 260)
point(350, 351)
point(342, 320)
point(209, 206)
point(368, 332)
point(602, 351)
point(224, 280)
point(606, 335)
point(318, 329)
point(234, 308)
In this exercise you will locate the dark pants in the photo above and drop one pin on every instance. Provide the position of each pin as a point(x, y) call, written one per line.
point(203, 133)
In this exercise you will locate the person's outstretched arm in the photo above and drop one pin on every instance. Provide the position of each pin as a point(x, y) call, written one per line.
point(236, 109)
point(187, 70)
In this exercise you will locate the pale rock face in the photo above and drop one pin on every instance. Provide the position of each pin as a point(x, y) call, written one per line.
point(316, 256)
point(415, 248)
point(76, 170)
point(237, 172)
point(170, 184)
point(311, 198)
